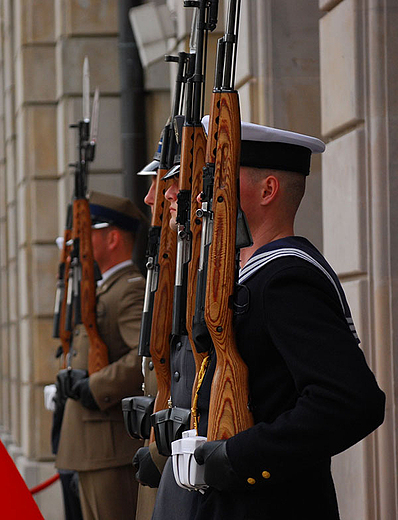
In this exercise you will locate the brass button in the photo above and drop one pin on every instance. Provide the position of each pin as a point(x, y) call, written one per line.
point(251, 481)
point(266, 474)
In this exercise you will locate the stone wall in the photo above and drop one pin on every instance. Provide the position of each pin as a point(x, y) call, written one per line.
point(359, 114)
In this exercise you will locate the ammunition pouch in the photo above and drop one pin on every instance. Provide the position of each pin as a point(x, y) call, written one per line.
point(168, 426)
point(137, 411)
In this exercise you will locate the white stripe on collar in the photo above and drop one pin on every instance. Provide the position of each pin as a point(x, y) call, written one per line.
point(258, 261)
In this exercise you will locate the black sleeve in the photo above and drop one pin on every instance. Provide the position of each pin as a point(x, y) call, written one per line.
point(339, 401)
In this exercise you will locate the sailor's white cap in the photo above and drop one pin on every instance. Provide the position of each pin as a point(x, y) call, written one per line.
point(276, 149)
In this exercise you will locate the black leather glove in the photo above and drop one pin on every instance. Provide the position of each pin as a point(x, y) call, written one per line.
point(82, 390)
point(147, 471)
point(218, 470)
point(74, 383)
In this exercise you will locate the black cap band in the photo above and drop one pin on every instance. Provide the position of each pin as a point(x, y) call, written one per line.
point(103, 214)
point(275, 156)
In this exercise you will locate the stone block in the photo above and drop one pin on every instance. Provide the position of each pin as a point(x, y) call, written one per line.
point(111, 183)
point(2, 140)
point(108, 155)
point(5, 353)
point(341, 68)
point(157, 77)
point(14, 351)
point(35, 21)
point(26, 350)
point(20, 173)
point(23, 222)
point(8, 62)
point(245, 97)
point(44, 346)
point(157, 110)
point(14, 451)
point(11, 232)
point(15, 411)
point(44, 273)
point(28, 430)
point(44, 210)
point(11, 171)
point(38, 82)
point(103, 61)
point(24, 276)
point(38, 157)
point(88, 17)
point(5, 391)
point(3, 244)
point(350, 471)
point(344, 203)
point(309, 216)
point(9, 111)
point(12, 293)
point(244, 63)
point(65, 193)
point(4, 305)
point(357, 296)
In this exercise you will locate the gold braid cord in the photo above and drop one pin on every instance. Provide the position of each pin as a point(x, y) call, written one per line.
point(201, 375)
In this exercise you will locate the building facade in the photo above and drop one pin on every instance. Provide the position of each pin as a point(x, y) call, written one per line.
point(325, 68)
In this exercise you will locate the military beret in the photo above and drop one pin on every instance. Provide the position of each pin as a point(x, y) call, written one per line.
point(275, 149)
point(107, 210)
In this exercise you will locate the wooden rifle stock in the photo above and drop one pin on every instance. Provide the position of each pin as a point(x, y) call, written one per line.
point(98, 351)
point(162, 309)
point(228, 413)
point(193, 153)
point(228, 410)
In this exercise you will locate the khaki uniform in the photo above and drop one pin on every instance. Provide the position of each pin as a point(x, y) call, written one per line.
point(97, 440)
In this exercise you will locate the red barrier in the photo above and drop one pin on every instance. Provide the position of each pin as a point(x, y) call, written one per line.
point(44, 484)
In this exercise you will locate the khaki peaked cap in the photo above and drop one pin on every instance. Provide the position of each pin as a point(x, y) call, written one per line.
point(116, 211)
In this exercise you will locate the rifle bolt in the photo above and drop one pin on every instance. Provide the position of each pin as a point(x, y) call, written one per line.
point(199, 213)
point(219, 329)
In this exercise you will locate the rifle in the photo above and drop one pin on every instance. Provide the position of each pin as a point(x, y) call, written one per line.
point(192, 163)
point(81, 299)
point(59, 330)
point(219, 260)
point(156, 324)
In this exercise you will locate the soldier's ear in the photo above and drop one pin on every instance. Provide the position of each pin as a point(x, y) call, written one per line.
point(269, 189)
point(113, 238)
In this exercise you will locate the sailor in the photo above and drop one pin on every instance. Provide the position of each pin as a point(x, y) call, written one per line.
point(311, 392)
